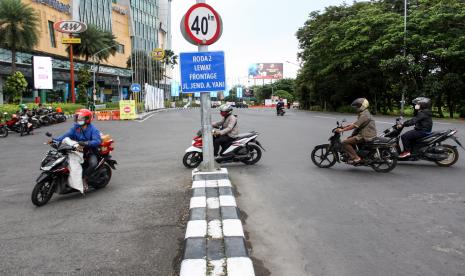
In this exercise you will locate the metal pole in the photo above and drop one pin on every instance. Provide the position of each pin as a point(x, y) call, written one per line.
point(71, 67)
point(402, 103)
point(208, 163)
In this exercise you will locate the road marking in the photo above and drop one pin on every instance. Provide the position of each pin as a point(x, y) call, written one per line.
point(150, 116)
point(323, 117)
point(442, 123)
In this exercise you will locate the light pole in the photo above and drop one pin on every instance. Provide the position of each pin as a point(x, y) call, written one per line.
point(402, 103)
point(95, 69)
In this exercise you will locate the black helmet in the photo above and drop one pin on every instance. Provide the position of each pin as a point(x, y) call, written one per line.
point(422, 102)
point(360, 104)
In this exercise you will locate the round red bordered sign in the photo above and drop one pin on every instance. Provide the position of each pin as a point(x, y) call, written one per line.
point(127, 109)
point(202, 24)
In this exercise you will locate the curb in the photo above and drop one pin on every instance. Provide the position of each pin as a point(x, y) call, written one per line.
point(214, 243)
point(146, 114)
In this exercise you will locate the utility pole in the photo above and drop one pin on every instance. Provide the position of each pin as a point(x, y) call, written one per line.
point(404, 88)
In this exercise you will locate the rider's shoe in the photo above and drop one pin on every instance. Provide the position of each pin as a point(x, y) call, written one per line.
point(404, 154)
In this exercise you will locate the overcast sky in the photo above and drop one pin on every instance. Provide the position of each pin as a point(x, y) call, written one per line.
point(254, 31)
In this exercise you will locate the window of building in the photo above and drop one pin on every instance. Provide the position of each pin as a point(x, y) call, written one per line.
point(120, 49)
point(51, 30)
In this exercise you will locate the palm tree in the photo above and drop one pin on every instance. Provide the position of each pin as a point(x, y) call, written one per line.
point(18, 28)
point(92, 41)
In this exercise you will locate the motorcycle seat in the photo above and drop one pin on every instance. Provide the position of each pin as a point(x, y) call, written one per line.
point(379, 140)
point(245, 135)
point(432, 134)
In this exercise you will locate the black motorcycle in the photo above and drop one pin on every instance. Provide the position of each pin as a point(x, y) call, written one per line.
point(380, 154)
point(280, 111)
point(55, 172)
point(429, 148)
point(23, 126)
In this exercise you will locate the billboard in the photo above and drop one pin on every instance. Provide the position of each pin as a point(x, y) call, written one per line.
point(266, 71)
point(43, 74)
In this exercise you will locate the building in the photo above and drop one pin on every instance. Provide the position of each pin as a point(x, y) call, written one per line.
point(135, 23)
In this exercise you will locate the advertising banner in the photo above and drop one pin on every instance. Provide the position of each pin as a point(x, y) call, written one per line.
point(43, 74)
point(175, 89)
point(127, 110)
point(266, 71)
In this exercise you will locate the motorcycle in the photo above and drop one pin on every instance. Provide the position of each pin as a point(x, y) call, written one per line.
point(429, 148)
point(380, 154)
point(281, 111)
point(245, 148)
point(24, 126)
point(55, 171)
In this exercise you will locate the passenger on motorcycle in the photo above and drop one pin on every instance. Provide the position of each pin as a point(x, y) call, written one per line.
point(279, 105)
point(228, 129)
point(423, 122)
point(365, 129)
point(88, 137)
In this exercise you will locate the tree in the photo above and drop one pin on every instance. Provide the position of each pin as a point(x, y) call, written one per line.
point(93, 40)
point(283, 94)
point(18, 28)
point(14, 87)
point(84, 77)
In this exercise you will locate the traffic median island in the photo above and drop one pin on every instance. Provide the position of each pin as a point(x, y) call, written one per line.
point(214, 242)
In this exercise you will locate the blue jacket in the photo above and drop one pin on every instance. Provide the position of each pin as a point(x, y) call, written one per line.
point(78, 134)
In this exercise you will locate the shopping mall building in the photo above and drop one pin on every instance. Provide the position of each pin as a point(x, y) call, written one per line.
point(138, 25)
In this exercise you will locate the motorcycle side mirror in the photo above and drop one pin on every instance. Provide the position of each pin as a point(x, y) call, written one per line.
point(48, 134)
point(337, 123)
point(344, 120)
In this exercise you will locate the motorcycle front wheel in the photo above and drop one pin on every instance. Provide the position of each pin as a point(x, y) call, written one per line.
point(42, 192)
point(255, 154)
point(192, 159)
point(388, 164)
point(323, 157)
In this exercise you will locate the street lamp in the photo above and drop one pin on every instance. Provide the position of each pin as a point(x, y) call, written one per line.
point(95, 69)
point(402, 103)
point(293, 63)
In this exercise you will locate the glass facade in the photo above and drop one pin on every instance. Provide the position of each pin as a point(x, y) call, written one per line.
point(144, 20)
point(51, 31)
point(97, 12)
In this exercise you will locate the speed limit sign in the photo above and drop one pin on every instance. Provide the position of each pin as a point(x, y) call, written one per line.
point(201, 25)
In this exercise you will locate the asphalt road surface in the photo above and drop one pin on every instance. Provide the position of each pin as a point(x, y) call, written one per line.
point(132, 227)
point(303, 220)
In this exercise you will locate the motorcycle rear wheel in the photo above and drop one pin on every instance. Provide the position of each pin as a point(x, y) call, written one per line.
point(192, 159)
point(3, 132)
point(103, 175)
point(389, 164)
point(255, 155)
point(42, 192)
point(322, 157)
point(452, 159)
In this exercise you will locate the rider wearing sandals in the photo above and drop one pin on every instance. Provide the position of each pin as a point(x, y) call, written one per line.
point(365, 129)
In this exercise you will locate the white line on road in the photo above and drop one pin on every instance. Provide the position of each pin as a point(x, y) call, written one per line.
point(323, 117)
point(141, 121)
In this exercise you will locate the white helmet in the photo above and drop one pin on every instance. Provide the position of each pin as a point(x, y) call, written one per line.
point(226, 110)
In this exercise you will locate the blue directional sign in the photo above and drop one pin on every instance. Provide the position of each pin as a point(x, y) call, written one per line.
point(202, 72)
point(135, 87)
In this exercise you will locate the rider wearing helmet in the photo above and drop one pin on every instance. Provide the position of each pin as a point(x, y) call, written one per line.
point(423, 124)
point(365, 129)
point(228, 129)
point(87, 135)
point(279, 105)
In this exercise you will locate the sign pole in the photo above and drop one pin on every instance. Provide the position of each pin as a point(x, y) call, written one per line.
point(71, 61)
point(208, 163)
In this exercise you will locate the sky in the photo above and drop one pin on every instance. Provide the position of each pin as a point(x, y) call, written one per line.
point(254, 31)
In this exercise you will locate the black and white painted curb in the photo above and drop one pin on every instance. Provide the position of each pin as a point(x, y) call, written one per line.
point(214, 242)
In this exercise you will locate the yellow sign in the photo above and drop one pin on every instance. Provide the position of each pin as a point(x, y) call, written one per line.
point(71, 40)
point(127, 110)
point(158, 54)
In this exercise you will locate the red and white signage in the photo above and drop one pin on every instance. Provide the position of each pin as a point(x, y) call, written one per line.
point(202, 25)
point(70, 27)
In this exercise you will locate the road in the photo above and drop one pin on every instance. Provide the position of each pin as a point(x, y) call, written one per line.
point(303, 220)
point(300, 220)
point(132, 227)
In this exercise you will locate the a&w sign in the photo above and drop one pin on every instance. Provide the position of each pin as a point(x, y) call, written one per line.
point(70, 27)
